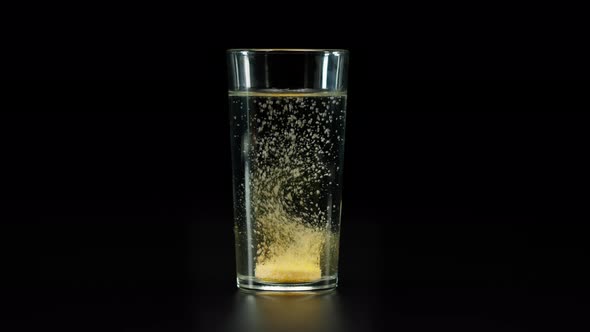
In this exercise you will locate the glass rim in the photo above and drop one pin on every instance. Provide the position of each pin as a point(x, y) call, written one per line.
point(335, 51)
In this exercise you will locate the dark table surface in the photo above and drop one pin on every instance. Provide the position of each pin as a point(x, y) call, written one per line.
point(374, 306)
point(148, 287)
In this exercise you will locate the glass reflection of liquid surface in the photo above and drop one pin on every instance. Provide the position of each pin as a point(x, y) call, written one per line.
point(270, 312)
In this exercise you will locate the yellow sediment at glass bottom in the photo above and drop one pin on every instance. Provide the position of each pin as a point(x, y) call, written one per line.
point(288, 271)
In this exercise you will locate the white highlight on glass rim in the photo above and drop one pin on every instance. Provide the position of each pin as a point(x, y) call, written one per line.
point(325, 72)
point(247, 70)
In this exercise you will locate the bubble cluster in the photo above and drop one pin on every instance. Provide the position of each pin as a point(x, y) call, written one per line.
point(293, 148)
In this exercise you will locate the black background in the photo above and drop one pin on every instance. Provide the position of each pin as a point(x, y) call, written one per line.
point(464, 201)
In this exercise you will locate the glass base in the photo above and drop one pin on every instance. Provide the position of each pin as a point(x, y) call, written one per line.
point(249, 283)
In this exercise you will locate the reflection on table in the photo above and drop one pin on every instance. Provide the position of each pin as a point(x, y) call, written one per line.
point(269, 312)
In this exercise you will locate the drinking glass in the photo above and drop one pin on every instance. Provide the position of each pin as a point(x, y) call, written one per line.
point(287, 119)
